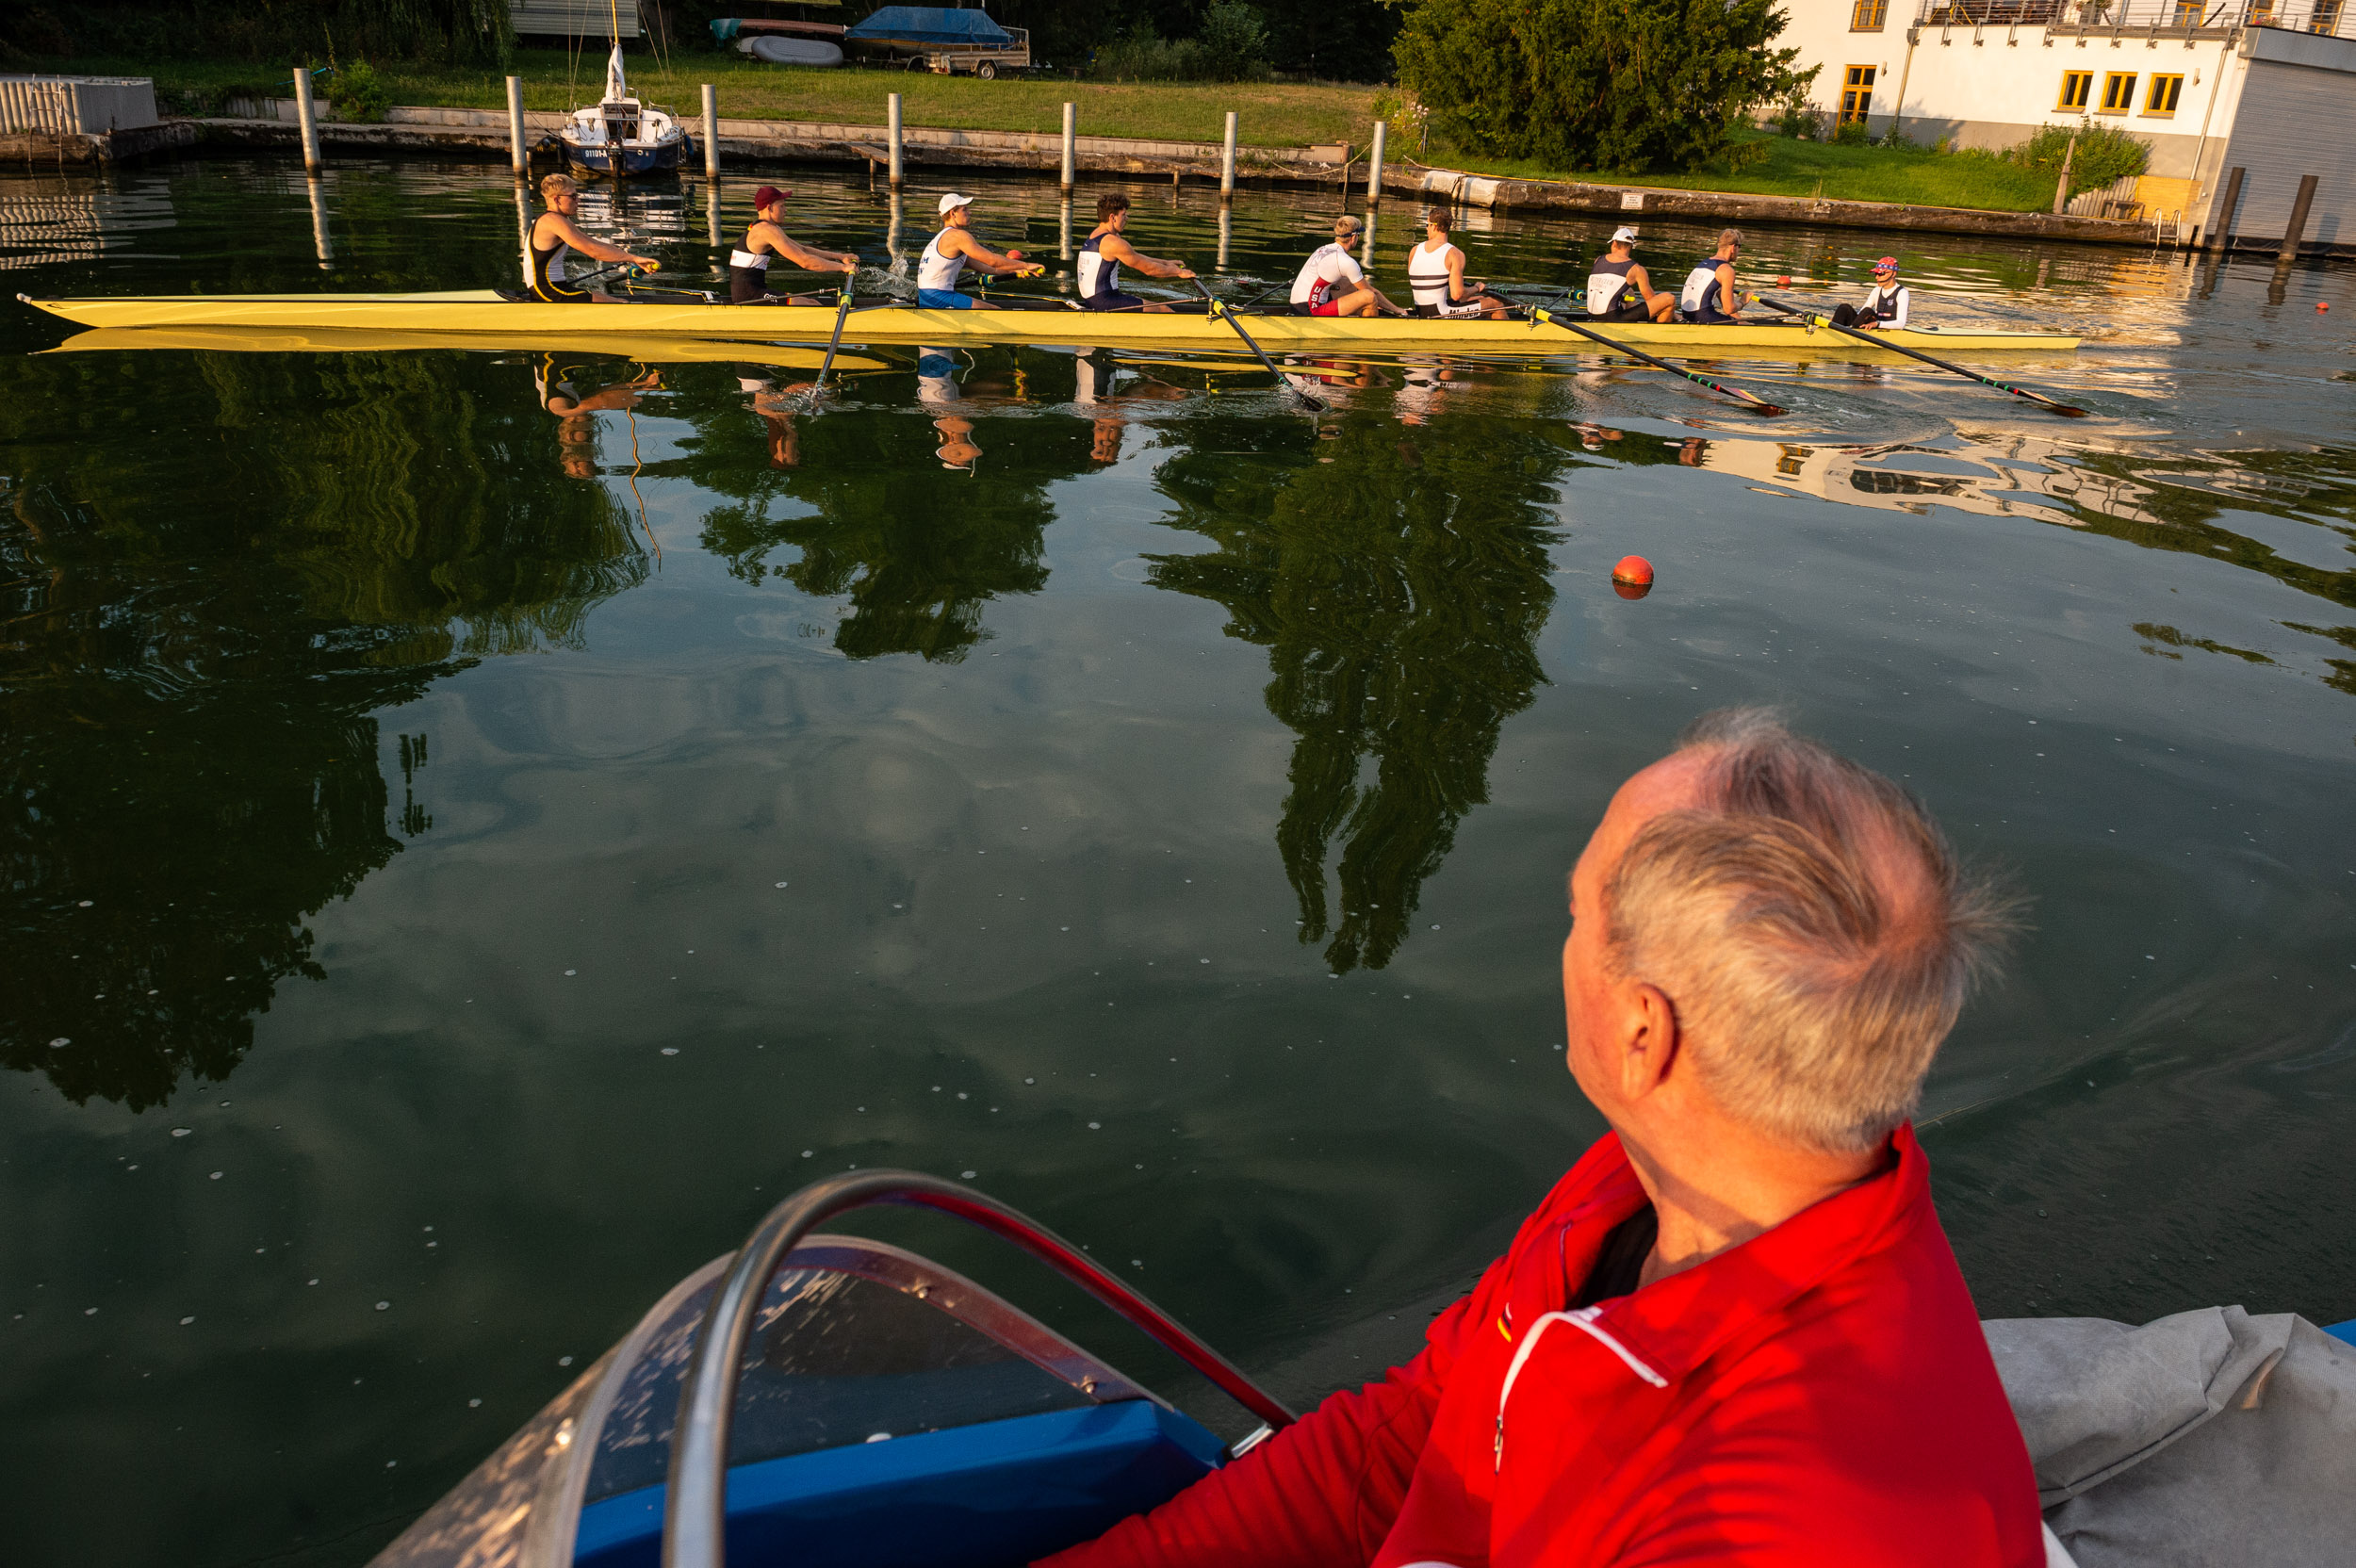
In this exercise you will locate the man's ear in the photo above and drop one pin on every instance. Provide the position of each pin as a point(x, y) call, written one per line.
point(1650, 1046)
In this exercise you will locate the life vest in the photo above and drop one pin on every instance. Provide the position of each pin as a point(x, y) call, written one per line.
point(1608, 288)
point(1426, 274)
point(1699, 297)
point(935, 270)
point(1099, 274)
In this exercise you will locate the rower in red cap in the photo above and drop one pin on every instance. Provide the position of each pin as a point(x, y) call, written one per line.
point(764, 242)
point(1885, 302)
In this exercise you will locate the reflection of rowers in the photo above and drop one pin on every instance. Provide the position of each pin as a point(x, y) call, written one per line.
point(1422, 381)
point(575, 433)
point(767, 241)
point(777, 405)
point(1099, 392)
point(937, 388)
point(555, 237)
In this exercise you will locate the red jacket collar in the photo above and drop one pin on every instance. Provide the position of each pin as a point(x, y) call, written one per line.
point(1675, 1324)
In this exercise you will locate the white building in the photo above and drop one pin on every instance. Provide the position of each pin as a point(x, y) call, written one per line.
point(2264, 85)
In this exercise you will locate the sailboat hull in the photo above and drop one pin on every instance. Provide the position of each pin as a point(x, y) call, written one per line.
point(627, 162)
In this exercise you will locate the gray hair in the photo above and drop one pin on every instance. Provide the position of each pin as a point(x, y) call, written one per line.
point(1811, 926)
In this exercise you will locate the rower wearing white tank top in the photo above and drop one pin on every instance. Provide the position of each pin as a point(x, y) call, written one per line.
point(948, 254)
point(1435, 272)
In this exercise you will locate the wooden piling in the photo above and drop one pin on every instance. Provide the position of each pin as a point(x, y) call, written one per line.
point(711, 132)
point(1227, 164)
point(307, 118)
point(892, 134)
point(2221, 236)
point(518, 151)
point(2061, 185)
point(1070, 146)
point(2291, 237)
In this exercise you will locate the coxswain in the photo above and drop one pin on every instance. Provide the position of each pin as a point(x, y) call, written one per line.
point(555, 236)
point(1619, 288)
point(1885, 304)
point(1106, 251)
point(767, 241)
point(1734, 1334)
point(1708, 296)
point(1330, 282)
point(949, 253)
point(1436, 273)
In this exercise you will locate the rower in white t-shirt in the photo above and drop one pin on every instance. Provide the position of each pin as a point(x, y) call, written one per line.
point(1886, 302)
point(1330, 282)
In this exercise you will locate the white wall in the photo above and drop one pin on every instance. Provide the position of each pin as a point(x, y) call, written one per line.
point(2293, 120)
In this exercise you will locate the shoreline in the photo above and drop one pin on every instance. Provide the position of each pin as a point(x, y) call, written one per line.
point(484, 133)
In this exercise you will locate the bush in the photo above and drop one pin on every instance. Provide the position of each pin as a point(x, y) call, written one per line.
point(1798, 119)
point(1233, 48)
point(357, 91)
point(1854, 133)
point(2105, 154)
point(1235, 42)
point(1624, 84)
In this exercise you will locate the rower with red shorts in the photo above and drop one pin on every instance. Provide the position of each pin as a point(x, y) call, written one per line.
point(1330, 282)
point(1734, 1334)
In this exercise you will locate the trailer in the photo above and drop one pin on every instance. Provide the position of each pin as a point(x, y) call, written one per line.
point(946, 41)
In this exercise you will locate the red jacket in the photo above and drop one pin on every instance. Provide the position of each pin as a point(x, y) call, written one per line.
point(1820, 1395)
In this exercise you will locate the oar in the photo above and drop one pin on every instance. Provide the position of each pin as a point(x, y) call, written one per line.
point(1766, 409)
point(1223, 314)
point(1880, 341)
point(842, 313)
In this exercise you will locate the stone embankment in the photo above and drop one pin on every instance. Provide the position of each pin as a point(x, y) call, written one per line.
point(484, 131)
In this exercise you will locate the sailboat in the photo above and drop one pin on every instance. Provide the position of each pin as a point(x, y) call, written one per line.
point(618, 135)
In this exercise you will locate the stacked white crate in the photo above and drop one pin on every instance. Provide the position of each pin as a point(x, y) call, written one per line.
point(77, 105)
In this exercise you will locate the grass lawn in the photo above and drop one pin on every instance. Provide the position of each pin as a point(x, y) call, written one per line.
point(1269, 114)
point(1832, 170)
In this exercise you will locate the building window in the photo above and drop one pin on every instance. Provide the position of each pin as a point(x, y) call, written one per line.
point(2189, 12)
point(1857, 93)
point(1867, 16)
point(2262, 13)
point(2077, 87)
point(2326, 17)
point(2118, 93)
point(2165, 91)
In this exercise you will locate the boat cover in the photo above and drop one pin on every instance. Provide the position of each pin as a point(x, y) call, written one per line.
point(2206, 1437)
point(931, 24)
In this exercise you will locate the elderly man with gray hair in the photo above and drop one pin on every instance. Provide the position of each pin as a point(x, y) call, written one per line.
point(1734, 1332)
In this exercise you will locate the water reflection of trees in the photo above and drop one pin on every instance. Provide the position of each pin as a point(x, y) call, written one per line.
point(200, 623)
point(918, 549)
point(1399, 584)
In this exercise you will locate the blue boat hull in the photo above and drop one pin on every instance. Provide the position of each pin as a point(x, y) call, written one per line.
point(634, 162)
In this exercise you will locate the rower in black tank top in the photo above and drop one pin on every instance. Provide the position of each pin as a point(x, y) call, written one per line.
point(766, 241)
point(556, 235)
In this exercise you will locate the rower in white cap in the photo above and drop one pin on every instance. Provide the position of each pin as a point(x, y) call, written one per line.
point(1619, 288)
point(952, 250)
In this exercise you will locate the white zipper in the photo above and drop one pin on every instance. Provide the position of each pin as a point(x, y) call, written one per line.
point(1584, 1320)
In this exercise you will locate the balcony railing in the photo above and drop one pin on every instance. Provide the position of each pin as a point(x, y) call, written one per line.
point(2141, 16)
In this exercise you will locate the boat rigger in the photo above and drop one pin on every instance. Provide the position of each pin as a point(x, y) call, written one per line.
point(487, 313)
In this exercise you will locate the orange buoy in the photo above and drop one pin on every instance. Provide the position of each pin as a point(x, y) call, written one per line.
point(2323, 304)
point(1631, 579)
point(1784, 282)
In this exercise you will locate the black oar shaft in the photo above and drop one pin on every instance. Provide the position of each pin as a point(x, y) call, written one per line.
point(1616, 347)
point(1879, 341)
point(842, 313)
point(1229, 317)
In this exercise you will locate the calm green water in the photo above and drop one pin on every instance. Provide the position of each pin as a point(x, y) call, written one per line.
point(465, 860)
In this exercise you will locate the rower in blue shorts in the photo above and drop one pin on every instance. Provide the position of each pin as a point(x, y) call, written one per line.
point(952, 250)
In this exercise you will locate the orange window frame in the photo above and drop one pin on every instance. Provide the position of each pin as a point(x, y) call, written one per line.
point(2119, 91)
point(2168, 91)
point(1867, 16)
point(1857, 92)
point(2077, 89)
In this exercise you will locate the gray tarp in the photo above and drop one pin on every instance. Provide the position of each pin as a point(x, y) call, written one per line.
point(2208, 1438)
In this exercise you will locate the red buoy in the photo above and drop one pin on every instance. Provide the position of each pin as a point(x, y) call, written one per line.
point(2323, 304)
point(1631, 579)
point(1784, 282)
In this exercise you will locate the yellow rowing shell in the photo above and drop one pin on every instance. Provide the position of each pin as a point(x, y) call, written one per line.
point(479, 313)
point(347, 340)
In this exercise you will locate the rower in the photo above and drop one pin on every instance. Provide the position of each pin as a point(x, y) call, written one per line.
point(1708, 296)
point(1885, 304)
point(1619, 288)
point(1106, 251)
point(1331, 268)
point(1435, 272)
point(766, 241)
point(556, 235)
point(952, 250)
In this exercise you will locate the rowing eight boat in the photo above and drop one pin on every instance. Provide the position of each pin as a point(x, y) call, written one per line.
point(484, 313)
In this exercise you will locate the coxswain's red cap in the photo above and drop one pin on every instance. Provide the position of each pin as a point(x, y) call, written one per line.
point(1887, 264)
point(768, 196)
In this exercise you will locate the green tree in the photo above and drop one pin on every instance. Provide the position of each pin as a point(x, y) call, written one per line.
point(1626, 85)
